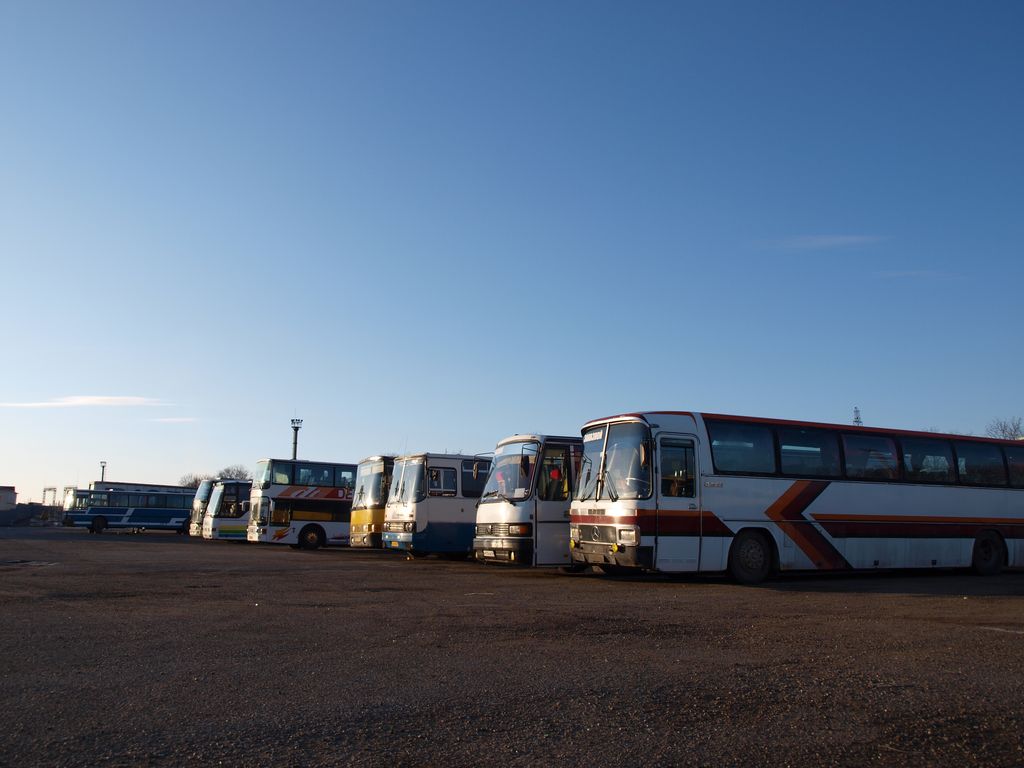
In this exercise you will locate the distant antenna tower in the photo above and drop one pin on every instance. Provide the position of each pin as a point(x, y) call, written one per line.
point(856, 417)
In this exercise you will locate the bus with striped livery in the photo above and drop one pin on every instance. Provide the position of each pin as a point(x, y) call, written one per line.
point(307, 504)
point(228, 510)
point(692, 492)
point(135, 506)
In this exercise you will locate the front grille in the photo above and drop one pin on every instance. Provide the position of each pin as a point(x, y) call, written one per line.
point(604, 534)
point(492, 529)
point(394, 526)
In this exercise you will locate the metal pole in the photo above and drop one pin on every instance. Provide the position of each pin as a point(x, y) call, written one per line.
point(296, 426)
point(103, 471)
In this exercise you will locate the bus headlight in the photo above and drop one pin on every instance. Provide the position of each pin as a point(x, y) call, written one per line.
point(409, 526)
point(520, 529)
point(627, 535)
point(574, 532)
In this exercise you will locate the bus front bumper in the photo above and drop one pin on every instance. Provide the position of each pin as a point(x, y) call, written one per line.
point(400, 541)
point(366, 540)
point(499, 549)
point(589, 553)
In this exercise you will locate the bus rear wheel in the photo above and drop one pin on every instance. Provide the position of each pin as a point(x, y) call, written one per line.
point(98, 524)
point(311, 537)
point(989, 554)
point(750, 557)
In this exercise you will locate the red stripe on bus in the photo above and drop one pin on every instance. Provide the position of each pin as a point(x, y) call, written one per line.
point(788, 512)
point(854, 529)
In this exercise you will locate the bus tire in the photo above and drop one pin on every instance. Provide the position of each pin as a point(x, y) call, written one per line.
point(311, 537)
point(989, 555)
point(750, 557)
point(98, 524)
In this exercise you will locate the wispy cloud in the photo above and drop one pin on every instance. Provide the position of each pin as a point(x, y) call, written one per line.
point(89, 401)
point(916, 274)
point(176, 420)
point(827, 242)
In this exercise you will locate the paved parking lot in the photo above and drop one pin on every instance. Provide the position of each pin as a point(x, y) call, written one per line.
point(153, 649)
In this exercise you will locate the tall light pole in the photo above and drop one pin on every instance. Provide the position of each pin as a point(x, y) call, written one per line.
point(103, 471)
point(296, 426)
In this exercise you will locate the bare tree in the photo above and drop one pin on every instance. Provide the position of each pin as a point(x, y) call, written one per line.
point(235, 472)
point(193, 479)
point(1006, 429)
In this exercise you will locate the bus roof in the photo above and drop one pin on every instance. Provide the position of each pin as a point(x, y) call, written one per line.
point(312, 461)
point(539, 439)
point(453, 456)
point(645, 416)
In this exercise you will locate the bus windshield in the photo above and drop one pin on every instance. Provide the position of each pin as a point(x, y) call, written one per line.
point(369, 485)
point(625, 472)
point(261, 476)
point(407, 482)
point(512, 472)
point(215, 500)
point(203, 491)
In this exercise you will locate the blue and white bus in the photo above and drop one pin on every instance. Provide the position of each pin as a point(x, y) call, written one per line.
point(432, 504)
point(158, 507)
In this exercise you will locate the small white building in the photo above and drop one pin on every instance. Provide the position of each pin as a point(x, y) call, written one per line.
point(8, 498)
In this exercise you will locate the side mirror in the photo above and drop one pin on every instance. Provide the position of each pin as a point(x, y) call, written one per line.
point(524, 464)
point(246, 506)
point(476, 470)
point(643, 454)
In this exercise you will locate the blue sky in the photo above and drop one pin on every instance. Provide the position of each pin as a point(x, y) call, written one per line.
point(425, 226)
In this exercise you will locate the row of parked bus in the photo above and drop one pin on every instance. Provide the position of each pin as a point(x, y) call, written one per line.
point(652, 491)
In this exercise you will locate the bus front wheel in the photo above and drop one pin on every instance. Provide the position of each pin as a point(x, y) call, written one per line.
point(989, 554)
point(750, 557)
point(98, 524)
point(311, 537)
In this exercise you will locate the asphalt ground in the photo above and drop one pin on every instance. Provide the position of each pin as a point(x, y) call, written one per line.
point(157, 650)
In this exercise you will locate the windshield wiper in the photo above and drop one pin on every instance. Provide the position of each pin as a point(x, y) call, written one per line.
point(500, 495)
point(610, 486)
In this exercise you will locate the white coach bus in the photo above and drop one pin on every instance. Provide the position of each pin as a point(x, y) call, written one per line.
point(307, 504)
point(227, 513)
point(523, 514)
point(680, 491)
point(432, 504)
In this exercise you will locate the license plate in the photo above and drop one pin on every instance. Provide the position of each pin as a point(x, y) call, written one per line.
point(394, 544)
point(488, 553)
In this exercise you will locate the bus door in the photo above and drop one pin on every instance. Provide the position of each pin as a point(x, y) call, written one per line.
point(679, 521)
point(554, 493)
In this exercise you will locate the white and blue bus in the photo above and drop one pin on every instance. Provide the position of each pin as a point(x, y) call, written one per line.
point(139, 506)
point(432, 504)
point(227, 514)
point(523, 514)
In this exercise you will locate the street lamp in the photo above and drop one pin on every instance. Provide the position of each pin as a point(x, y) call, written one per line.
point(103, 471)
point(296, 426)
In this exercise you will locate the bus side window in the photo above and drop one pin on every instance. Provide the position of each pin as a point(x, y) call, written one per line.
point(441, 481)
point(553, 480)
point(677, 469)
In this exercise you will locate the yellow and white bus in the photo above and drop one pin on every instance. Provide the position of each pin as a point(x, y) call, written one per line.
point(523, 514)
point(306, 504)
point(227, 513)
point(686, 491)
point(373, 481)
